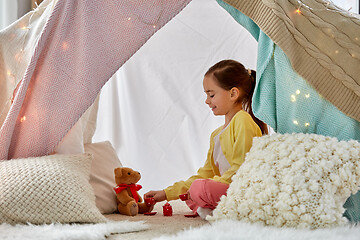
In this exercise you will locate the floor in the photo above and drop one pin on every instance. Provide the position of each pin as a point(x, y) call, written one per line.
point(159, 224)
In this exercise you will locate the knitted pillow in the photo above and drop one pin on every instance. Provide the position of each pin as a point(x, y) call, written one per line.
point(293, 180)
point(47, 189)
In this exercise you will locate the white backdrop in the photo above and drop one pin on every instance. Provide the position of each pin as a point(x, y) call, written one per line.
point(153, 109)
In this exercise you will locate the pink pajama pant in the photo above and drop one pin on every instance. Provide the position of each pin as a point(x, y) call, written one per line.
point(205, 193)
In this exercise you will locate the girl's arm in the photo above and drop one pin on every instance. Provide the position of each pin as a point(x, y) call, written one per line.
point(182, 187)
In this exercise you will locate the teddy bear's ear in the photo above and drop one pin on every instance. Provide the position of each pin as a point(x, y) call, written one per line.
point(118, 172)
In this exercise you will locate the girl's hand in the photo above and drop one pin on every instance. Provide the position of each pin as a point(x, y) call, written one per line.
point(158, 195)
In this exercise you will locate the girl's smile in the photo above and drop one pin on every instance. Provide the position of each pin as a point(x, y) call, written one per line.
point(221, 101)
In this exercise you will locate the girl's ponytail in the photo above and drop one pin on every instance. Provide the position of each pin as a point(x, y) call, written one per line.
point(247, 103)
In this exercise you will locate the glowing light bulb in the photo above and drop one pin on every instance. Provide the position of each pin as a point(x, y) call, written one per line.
point(307, 95)
point(9, 73)
point(298, 11)
point(337, 51)
point(297, 92)
point(129, 18)
point(307, 124)
point(22, 119)
point(65, 46)
point(296, 122)
point(293, 98)
point(154, 26)
point(18, 56)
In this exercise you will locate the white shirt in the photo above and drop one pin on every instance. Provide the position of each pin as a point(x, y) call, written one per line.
point(219, 158)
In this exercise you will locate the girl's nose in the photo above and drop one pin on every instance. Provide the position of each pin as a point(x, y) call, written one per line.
point(207, 101)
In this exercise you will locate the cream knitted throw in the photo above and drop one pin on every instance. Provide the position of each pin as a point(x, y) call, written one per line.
point(293, 180)
point(322, 44)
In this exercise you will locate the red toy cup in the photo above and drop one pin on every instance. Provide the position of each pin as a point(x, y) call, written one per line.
point(150, 201)
point(167, 209)
point(184, 197)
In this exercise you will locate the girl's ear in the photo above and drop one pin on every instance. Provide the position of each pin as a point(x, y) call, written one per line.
point(234, 93)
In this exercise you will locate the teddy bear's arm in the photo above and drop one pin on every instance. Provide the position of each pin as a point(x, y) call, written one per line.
point(124, 197)
point(140, 199)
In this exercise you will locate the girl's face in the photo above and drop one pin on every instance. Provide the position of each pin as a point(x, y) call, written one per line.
point(220, 101)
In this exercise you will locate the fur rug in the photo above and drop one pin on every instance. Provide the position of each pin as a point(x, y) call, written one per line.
point(68, 231)
point(229, 229)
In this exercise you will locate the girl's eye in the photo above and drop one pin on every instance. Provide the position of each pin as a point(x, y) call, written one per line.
point(211, 96)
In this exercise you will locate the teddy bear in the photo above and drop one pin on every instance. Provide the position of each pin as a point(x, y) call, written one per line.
point(129, 201)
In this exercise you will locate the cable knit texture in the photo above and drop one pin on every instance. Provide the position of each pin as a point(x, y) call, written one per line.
point(322, 43)
point(293, 180)
point(48, 189)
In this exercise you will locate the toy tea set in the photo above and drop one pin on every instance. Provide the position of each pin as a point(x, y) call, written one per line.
point(167, 208)
point(128, 199)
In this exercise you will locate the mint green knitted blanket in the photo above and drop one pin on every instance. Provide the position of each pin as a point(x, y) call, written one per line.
point(286, 102)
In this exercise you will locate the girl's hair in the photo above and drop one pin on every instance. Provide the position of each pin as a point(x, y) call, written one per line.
point(230, 74)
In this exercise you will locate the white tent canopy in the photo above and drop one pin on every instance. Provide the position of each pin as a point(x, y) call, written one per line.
point(153, 109)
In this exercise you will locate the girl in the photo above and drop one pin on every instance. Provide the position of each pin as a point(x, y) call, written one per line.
point(229, 88)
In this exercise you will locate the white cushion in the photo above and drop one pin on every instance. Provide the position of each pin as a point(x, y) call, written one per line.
point(293, 180)
point(48, 189)
point(102, 177)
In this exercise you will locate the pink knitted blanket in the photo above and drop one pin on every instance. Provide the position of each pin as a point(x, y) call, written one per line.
point(83, 44)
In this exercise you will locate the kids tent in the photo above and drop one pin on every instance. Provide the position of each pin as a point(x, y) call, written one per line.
point(77, 53)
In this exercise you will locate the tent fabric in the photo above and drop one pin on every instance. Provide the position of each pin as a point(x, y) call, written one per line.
point(16, 48)
point(321, 41)
point(153, 109)
point(81, 46)
point(284, 100)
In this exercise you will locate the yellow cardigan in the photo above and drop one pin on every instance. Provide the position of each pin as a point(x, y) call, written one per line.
point(235, 142)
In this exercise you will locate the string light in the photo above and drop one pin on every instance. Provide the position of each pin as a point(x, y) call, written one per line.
point(293, 99)
point(18, 57)
point(330, 6)
point(23, 118)
point(65, 46)
point(156, 22)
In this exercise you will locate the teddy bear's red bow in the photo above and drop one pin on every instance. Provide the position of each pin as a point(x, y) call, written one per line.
point(133, 189)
